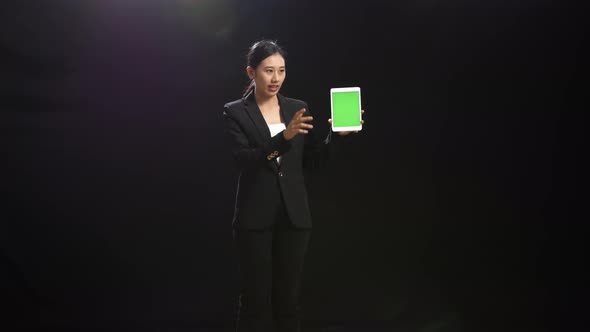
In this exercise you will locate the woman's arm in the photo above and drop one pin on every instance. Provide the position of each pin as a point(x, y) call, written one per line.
point(317, 148)
point(246, 156)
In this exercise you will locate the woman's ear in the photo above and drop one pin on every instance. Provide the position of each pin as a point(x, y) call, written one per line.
point(250, 72)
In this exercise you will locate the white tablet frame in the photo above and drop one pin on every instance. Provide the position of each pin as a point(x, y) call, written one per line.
point(348, 89)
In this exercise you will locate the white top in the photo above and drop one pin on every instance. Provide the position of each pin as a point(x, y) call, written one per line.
point(275, 129)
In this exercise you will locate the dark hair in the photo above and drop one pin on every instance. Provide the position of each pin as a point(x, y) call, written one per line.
point(259, 51)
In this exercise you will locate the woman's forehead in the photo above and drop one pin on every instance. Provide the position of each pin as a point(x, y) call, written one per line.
point(275, 60)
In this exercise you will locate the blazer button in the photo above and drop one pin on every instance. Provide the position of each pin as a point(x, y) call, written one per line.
point(280, 173)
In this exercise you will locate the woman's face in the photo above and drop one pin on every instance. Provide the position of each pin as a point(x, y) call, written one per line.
point(269, 75)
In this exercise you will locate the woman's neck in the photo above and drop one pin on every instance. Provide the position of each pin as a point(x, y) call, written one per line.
point(265, 100)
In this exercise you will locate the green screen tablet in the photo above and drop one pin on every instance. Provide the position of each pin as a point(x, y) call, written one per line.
point(346, 108)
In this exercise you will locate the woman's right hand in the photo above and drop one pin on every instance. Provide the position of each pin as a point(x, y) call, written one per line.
point(298, 125)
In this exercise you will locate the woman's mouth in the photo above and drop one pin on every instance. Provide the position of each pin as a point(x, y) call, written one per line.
point(273, 88)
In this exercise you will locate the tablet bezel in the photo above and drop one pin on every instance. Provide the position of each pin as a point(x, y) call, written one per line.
point(348, 89)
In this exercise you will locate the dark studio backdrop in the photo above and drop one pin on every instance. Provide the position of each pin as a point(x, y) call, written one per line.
point(118, 188)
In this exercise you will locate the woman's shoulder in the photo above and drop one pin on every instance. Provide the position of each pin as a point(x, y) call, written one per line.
point(294, 102)
point(235, 103)
point(232, 108)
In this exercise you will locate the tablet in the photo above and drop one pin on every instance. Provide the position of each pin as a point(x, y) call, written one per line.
point(346, 108)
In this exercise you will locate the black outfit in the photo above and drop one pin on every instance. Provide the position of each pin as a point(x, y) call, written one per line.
point(272, 221)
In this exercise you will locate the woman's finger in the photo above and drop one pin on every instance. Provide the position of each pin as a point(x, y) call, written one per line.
point(298, 114)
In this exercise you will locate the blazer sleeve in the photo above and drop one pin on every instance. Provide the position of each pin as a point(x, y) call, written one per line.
point(245, 155)
point(317, 148)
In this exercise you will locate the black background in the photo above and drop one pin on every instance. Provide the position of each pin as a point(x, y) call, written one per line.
point(119, 189)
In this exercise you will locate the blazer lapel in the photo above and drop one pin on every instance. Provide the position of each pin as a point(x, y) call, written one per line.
point(256, 116)
point(285, 110)
point(287, 113)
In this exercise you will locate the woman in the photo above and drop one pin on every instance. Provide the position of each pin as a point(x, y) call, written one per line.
point(271, 139)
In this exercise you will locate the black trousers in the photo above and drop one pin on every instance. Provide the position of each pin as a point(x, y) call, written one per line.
point(270, 264)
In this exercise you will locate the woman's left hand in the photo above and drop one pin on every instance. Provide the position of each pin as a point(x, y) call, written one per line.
point(344, 133)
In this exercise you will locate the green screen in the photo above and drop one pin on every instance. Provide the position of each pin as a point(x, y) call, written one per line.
point(345, 106)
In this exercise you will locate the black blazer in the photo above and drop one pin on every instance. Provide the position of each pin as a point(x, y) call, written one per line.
point(264, 184)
